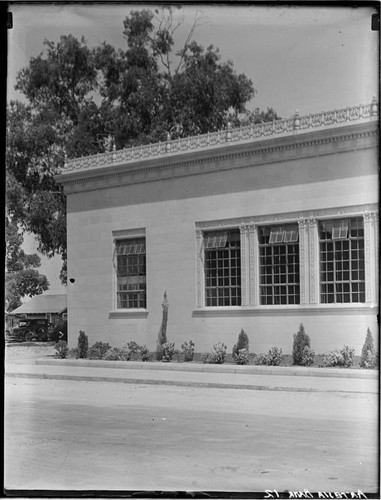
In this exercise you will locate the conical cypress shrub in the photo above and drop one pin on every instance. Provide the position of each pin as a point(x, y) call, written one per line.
point(368, 353)
point(83, 344)
point(242, 343)
point(301, 340)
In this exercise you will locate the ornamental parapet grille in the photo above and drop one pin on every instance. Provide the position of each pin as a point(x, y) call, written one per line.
point(249, 133)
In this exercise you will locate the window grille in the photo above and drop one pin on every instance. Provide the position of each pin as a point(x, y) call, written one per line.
point(222, 268)
point(342, 262)
point(279, 265)
point(131, 273)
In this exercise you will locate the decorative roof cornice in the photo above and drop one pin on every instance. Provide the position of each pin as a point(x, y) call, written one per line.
point(312, 135)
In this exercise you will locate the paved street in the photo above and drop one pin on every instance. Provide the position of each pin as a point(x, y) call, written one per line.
point(115, 436)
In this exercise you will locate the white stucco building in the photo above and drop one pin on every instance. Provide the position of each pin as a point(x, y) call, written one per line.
point(261, 228)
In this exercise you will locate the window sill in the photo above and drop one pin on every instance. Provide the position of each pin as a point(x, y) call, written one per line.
point(128, 313)
point(286, 310)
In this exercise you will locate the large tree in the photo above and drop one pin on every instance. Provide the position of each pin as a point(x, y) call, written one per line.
point(21, 277)
point(81, 99)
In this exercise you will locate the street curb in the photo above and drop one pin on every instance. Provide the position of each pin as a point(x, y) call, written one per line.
point(300, 371)
point(215, 385)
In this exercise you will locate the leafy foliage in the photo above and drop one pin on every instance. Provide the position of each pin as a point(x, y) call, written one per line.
point(83, 344)
point(168, 349)
point(301, 340)
point(242, 343)
point(22, 277)
point(308, 356)
point(73, 353)
point(136, 352)
point(115, 354)
point(62, 349)
point(272, 358)
point(187, 349)
point(242, 357)
point(339, 357)
point(98, 350)
point(369, 358)
point(81, 100)
point(217, 356)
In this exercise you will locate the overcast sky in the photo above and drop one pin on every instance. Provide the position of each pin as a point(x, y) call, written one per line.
point(307, 58)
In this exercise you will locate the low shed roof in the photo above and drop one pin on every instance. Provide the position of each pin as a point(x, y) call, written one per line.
point(42, 304)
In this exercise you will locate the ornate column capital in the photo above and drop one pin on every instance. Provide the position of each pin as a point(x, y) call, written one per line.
point(312, 222)
point(302, 223)
point(252, 228)
point(243, 228)
point(370, 217)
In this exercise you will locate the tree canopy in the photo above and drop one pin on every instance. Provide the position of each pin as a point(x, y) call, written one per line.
point(22, 277)
point(81, 100)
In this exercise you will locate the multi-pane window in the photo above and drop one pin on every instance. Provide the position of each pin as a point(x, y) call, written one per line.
point(342, 273)
point(279, 264)
point(131, 273)
point(222, 268)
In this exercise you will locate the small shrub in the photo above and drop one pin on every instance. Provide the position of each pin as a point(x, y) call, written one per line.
point(168, 349)
point(188, 351)
point(217, 356)
point(260, 359)
point(98, 350)
point(73, 353)
point(301, 340)
point(308, 356)
point(272, 358)
point(369, 357)
point(242, 358)
point(83, 344)
point(339, 357)
point(371, 360)
point(115, 354)
point(132, 351)
point(62, 349)
point(242, 343)
point(145, 355)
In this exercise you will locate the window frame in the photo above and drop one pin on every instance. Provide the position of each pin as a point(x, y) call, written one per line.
point(278, 281)
point(333, 283)
point(135, 237)
point(307, 232)
point(222, 268)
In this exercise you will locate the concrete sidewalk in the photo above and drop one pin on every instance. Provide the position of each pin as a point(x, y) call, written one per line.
point(298, 379)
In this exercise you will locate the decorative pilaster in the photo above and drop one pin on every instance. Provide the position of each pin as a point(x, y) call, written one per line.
point(199, 269)
point(376, 255)
point(370, 256)
point(244, 264)
point(313, 239)
point(253, 266)
point(303, 262)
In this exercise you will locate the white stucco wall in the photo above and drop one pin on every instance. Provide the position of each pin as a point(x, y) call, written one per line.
point(169, 210)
